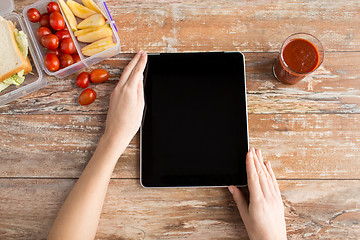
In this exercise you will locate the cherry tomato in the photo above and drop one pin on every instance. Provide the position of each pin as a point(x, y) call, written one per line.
point(50, 41)
point(83, 80)
point(51, 62)
point(65, 60)
point(52, 7)
point(76, 57)
point(56, 52)
point(87, 97)
point(57, 21)
point(42, 31)
point(62, 34)
point(33, 15)
point(67, 46)
point(44, 20)
point(99, 76)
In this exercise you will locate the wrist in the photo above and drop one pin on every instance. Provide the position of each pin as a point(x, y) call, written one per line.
point(115, 144)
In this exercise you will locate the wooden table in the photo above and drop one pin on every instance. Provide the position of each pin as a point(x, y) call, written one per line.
point(310, 131)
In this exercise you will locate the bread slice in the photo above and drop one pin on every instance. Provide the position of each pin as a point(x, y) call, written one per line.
point(11, 59)
point(28, 68)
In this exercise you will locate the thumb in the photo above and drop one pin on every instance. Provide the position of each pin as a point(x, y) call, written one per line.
point(240, 201)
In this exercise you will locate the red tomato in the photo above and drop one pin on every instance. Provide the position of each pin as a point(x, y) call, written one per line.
point(99, 76)
point(62, 34)
point(87, 97)
point(51, 62)
point(33, 15)
point(44, 20)
point(67, 46)
point(42, 31)
point(50, 41)
point(65, 60)
point(83, 80)
point(56, 52)
point(52, 7)
point(57, 21)
point(76, 57)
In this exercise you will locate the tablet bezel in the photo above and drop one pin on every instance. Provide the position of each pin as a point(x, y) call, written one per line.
point(141, 128)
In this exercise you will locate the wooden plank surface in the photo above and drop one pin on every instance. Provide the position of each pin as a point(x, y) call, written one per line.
point(227, 25)
point(308, 131)
point(300, 146)
point(334, 88)
point(331, 211)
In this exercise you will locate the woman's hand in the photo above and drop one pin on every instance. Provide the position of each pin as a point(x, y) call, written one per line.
point(264, 216)
point(80, 214)
point(127, 102)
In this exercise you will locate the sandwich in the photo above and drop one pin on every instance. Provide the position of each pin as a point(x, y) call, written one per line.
point(14, 49)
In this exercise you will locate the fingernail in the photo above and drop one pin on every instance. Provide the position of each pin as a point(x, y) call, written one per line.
point(231, 189)
point(253, 150)
point(140, 52)
point(143, 53)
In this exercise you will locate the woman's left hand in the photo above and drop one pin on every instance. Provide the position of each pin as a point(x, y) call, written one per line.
point(127, 102)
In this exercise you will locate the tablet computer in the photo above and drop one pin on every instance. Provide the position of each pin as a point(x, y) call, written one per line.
point(195, 128)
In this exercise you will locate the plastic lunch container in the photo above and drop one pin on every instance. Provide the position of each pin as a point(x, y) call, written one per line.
point(36, 79)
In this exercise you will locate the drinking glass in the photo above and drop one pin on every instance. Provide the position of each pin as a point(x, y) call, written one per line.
point(300, 55)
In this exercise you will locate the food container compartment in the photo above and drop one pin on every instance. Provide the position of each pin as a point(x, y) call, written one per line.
point(85, 61)
point(36, 79)
point(33, 80)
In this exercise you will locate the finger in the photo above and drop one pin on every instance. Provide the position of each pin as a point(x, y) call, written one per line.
point(137, 73)
point(267, 173)
point(140, 86)
point(262, 175)
point(128, 69)
point(141, 92)
point(240, 201)
point(261, 161)
point(262, 164)
point(252, 177)
point(273, 178)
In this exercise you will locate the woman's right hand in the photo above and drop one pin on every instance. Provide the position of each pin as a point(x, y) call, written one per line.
point(264, 216)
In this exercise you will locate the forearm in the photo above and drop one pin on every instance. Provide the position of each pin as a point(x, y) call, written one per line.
point(79, 216)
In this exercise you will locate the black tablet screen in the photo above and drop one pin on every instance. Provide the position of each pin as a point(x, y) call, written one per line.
point(194, 131)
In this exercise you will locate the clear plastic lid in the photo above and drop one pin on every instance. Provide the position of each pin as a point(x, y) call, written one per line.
point(6, 6)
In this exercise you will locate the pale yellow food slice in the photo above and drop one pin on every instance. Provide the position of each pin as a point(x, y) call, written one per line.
point(79, 10)
point(93, 6)
point(96, 20)
point(83, 31)
point(69, 15)
point(98, 46)
point(99, 33)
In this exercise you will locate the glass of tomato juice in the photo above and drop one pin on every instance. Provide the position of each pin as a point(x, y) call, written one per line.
point(300, 55)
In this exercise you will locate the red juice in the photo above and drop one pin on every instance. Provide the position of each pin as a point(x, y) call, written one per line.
point(298, 58)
